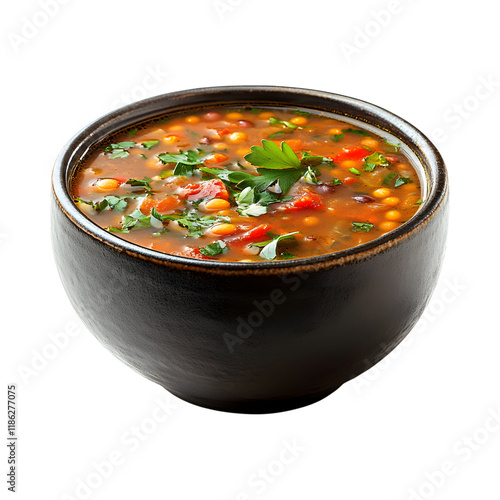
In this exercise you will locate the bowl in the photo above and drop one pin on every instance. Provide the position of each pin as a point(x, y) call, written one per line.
point(251, 337)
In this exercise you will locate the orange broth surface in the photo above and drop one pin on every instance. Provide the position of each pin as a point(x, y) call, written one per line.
point(248, 185)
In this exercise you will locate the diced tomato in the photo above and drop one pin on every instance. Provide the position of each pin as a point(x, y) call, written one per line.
point(214, 188)
point(216, 158)
point(309, 200)
point(254, 235)
point(168, 204)
point(350, 153)
point(221, 132)
point(349, 180)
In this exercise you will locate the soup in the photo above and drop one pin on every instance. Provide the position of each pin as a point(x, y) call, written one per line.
point(250, 184)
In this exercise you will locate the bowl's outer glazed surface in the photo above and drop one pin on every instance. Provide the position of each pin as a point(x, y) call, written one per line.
point(250, 338)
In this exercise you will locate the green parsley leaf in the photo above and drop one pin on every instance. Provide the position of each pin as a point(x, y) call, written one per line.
point(136, 220)
point(309, 159)
point(269, 155)
point(286, 255)
point(337, 137)
point(150, 144)
point(119, 153)
point(133, 132)
point(113, 229)
point(361, 227)
point(194, 222)
point(186, 162)
point(216, 248)
point(275, 121)
point(270, 248)
point(280, 134)
point(336, 182)
point(311, 176)
point(355, 131)
point(389, 178)
point(402, 180)
point(118, 203)
point(301, 113)
point(419, 202)
point(143, 183)
point(373, 160)
point(354, 171)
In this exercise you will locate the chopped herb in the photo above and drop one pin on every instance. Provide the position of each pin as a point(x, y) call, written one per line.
point(311, 176)
point(136, 220)
point(186, 162)
point(119, 153)
point(118, 203)
point(355, 131)
point(113, 229)
point(302, 113)
point(354, 171)
point(336, 182)
point(142, 155)
point(133, 132)
point(337, 137)
point(119, 150)
point(216, 248)
point(166, 173)
point(373, 160)
point(389, 178)
point(270, 247)
point(419, 202)
point(309, 159)
point(256, 111)
point(402, 180)
point(160, 233)
point(275, 121)
point(120, 145)
point(194, 222)
point(150, 144)
point(143, 183)
point(286, 255)
point(361, 227)
point(391, 147)
point(279, 134)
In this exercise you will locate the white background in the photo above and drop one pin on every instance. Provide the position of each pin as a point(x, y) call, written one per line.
point(429, 406)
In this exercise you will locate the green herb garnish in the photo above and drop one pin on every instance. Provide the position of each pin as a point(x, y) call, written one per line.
point(355, 131)
point(275, 121)
point(361, 227)
point(270, 247)
point(389, 178)
point(402, 180)
point(216, 248)
point(150, 144)
point(337, 137)
point(354, 171)
point(374, 160)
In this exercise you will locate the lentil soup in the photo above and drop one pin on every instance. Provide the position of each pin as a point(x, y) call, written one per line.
point(248, 185)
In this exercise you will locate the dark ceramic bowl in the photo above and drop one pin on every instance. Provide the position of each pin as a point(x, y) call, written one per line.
point(252, 337)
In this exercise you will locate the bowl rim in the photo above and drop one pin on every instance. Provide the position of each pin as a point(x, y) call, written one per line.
point(430, 159)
